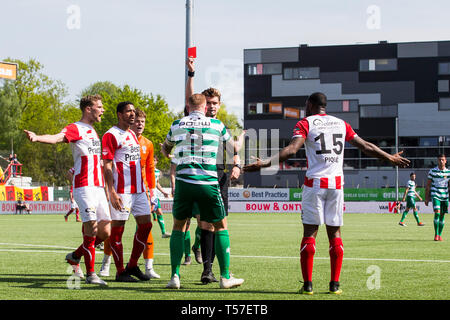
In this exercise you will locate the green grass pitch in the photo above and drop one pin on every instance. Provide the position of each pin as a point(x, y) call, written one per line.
point(382, 261)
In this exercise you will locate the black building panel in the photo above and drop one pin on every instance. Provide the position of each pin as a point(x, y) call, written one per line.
point(344, 58)
point(376, 127)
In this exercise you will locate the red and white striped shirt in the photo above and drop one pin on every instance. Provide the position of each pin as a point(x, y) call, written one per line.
point(123, 148)
point(86, 152)
point(325, 138)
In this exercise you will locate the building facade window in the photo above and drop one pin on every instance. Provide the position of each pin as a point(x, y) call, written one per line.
point(378, 65)
point(293, 113)
point(378, 111)
point(264, 69)
point(342, 106)
point(301, 73)
point(443, 85)
point(444, 68)
point(265, 108)
point(444, 103)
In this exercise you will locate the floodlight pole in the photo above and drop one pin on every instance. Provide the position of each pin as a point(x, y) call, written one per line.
point(396, 151)
point(189, 9)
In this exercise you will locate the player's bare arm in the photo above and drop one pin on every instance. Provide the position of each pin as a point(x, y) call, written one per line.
point(286, 153)
point(233, 145)
point(160, 188)
point(114, 198)
point(427, 192)
point(190, 80)
point(418, 196)
point(46, 138)
point(404, 195)
point(372, 150)
point(166, 148)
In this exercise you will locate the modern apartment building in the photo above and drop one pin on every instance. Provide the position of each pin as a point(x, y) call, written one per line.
point(380, 89)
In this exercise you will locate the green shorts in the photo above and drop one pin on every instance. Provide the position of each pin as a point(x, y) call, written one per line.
point(410, 202)
point(441, 205)
point(207, 197)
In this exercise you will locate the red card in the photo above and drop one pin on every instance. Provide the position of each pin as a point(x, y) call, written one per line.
point(192, 52)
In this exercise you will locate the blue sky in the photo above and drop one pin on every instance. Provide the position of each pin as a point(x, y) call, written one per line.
point(141, 42)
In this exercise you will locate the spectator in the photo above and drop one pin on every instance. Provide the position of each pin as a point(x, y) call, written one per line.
point(13, 161)
point(21, 205)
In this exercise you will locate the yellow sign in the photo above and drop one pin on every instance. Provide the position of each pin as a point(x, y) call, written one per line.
point(8, 70)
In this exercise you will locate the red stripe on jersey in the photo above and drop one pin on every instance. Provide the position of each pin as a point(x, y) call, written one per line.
point(324, 183)
point(133, 185)
point(81, 179)
point(96, 165)
point(349, 132)
point(338, 182)
point(309, 182)
point(301, 128)
point(71, 133)
point(120, 178)
point(134, 136)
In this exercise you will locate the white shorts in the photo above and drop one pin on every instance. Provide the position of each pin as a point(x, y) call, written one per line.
point(73, 205)
point(92, 203)
point(322, 206)
point(135, 203)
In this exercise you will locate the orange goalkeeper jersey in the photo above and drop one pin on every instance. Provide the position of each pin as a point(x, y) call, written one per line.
point(147, 162)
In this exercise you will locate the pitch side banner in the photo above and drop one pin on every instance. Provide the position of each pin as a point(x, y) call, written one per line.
point(296, 207)
point(37, 207)
point(258, 194)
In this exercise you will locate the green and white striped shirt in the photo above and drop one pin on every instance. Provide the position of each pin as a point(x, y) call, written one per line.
point(197, 139)
point(411, 189)
point(439, 183)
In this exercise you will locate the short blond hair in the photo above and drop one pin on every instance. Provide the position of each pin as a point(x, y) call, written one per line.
point(140, 113)
point(197, 99)
point(89, 100)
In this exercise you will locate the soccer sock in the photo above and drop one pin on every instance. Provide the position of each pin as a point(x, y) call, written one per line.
point(117, 247)
point(139, 243)
point(149, 263)
point(107, 247)
point(77, 214)
point(149, 248)
point(307, 251)
point(187, 243)
point(403, 216)
point(441, 224)
point(436, 223)
point(89, 253)
point(416, 216)
point(154, 216)
point(198, 233)
point(207, 247)
point(177, 241)
point(336, 257)
point(161, 223)
point(68, 213)
point(222, 248)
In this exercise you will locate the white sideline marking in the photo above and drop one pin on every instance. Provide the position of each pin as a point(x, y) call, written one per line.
point(235, 256)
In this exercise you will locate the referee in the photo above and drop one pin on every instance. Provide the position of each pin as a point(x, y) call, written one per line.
point(213, 103)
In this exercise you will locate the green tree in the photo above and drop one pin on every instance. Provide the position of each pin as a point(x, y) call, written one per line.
point(36, 103)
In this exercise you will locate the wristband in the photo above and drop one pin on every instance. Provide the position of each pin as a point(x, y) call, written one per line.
point(191, 73)
point(238, 166)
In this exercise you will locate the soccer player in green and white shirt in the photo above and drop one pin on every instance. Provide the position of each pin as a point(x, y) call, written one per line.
point(196, 139)
point(437, 191)
point(410, 195)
